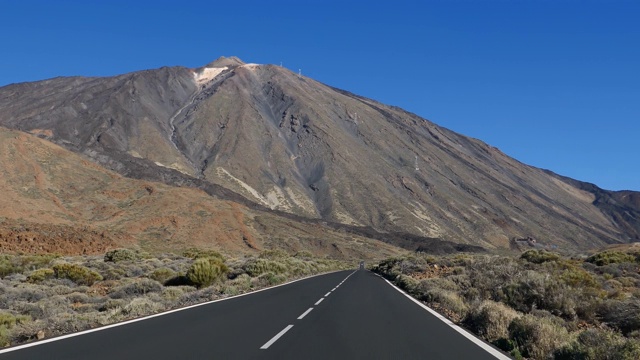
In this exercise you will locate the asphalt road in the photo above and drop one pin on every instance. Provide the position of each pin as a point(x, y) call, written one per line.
point(362, 318)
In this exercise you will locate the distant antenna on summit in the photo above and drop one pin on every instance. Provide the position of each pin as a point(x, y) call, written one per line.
point(280, 63)
point(299, 72)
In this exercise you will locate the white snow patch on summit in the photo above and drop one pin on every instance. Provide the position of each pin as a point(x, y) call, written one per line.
point(207, 74)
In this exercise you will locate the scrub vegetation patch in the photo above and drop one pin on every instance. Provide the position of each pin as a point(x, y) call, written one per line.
point(43, 296)
point(539, 305)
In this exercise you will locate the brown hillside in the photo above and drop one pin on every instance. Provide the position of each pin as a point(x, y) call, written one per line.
point(56, 201)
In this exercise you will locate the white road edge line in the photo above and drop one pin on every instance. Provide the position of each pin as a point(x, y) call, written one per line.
point(275, 338)
point(319, 301)
point(62, 337)
point(327, 294)
point(455, 327)
point(304, 314)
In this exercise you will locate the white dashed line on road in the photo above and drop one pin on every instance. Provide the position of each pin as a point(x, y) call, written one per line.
point(275, 338)
point(304, 314)
point(319, 301)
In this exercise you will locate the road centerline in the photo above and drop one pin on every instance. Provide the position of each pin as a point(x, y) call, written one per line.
point(327, 294)
point(319, 301)
point(304, 314)
point(275, 338)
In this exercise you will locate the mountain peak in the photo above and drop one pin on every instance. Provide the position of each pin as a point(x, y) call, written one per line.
point(225, 61)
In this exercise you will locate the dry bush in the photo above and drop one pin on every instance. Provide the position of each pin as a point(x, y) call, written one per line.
point(598, 344)
point(537, 337)
point(622, 315)
point(447, 300)
point(490, 320)
point(118, 255)
point(135, 288)
point(141, 307)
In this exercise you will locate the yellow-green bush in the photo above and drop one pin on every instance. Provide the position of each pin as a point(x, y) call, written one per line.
point(611, 257)
point(162, 274)
point(40, 275)
point(196, 253)
point(539, 256)
point(205, 271)
point(7, 322)
point(261, 266)
point(76, 273)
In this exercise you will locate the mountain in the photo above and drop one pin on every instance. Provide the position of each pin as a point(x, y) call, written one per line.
point(269, 138)
point(55, 201)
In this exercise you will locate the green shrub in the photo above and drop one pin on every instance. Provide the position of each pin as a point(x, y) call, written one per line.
point(76, 273)
point(162, 274)
point(118, 255)
point(195, 253)
point(537, 337)
point(539, 256)
point(611, 257)
point(269, 278)
point(256, 267)
point(7, 322)
point(273, 254)
point(578, 277)
point(40, 275)
point(205, 271)
point(490, 320)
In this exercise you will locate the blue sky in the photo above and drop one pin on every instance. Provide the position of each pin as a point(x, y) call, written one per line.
point(555, 84)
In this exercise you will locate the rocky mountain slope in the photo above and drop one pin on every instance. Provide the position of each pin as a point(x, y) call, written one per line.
point(56, 201)
point(289, 143)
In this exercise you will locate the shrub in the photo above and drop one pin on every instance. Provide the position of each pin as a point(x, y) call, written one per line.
point(490, 320)
point(162, 274)
point(40, 275)
point(596, 344)
point(449, 301)
point(610, 257)
point(205, 271)
point(118, 255)
point(621, 315)
point(539, 256)
point(76, 273)
point(258, 267)
point(141, 307)
point(7, 322)
point(195, 253)
point(578, 277)
point(537, 290)
point(537, 337)
point(136, 288)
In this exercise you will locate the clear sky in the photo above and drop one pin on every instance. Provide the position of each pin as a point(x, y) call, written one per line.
point(553, 83)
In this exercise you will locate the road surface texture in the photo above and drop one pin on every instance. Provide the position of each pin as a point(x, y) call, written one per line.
point(341, 315)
